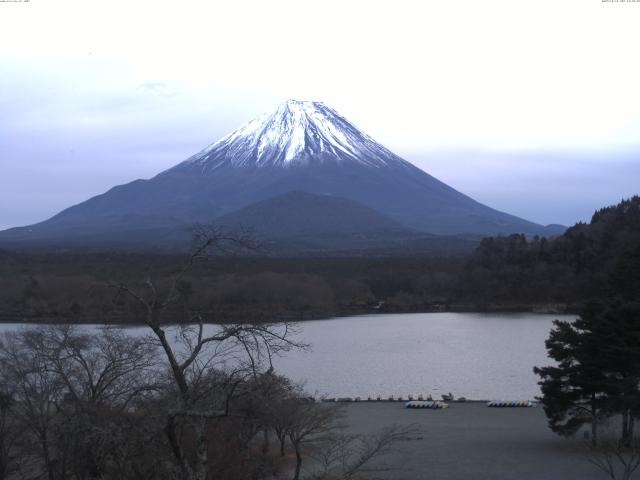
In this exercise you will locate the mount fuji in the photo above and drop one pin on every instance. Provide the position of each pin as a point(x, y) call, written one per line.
point(301, 147)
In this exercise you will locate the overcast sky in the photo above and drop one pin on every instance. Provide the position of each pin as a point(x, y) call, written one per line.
point(532, 106)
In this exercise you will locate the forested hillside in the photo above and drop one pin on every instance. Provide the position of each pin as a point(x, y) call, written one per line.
point(590, 261)
point(594, 260)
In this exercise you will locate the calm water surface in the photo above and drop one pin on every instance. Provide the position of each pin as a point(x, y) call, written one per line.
point(479, 356)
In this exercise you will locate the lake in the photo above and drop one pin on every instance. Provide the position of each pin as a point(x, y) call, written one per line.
point(478, 356)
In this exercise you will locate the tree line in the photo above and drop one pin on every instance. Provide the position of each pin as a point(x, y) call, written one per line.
point(595, 260)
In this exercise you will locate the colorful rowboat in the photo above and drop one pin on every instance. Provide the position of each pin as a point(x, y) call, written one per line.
point(426, 404)
point(511, 403)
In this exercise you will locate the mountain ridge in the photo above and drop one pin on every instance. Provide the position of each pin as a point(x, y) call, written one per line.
point(297, 213)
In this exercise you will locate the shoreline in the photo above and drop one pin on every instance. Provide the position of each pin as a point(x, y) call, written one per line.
point(542, 309)
point(405, 367)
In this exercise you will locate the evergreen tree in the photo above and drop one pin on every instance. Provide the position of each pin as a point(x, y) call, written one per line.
point(574, 392)
point(598, 369)
point(618, 327)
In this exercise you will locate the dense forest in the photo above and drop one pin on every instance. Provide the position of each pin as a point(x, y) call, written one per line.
point(590, 260)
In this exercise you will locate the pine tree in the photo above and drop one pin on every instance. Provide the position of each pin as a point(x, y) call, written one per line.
point(598, 370)
point(574, 392)
point(618, 327)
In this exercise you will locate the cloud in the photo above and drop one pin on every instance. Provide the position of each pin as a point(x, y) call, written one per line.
point(159, 88)
point(545, 186)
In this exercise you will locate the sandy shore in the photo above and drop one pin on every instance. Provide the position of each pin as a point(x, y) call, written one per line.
point(471, 441)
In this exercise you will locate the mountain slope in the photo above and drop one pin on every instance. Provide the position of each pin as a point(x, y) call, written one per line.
point(301, 223)
point(301, 146)
point(300, 213)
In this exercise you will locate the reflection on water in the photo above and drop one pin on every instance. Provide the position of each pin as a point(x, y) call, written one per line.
point(479, 356)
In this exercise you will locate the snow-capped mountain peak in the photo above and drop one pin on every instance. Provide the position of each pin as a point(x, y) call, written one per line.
point(296, 133)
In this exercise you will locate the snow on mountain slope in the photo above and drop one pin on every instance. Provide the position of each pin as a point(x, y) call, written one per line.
point(297, 133)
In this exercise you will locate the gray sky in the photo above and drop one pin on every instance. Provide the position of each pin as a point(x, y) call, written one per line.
point(532, 107)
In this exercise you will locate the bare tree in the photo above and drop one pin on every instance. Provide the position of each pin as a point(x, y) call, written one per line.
point(279, 413)
point(103, 375)
point(37, 392)
point(353, 457)
point(10, 434)
point(195, 352)
point(72, 393)
point(310, 423)
point(110, 369)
